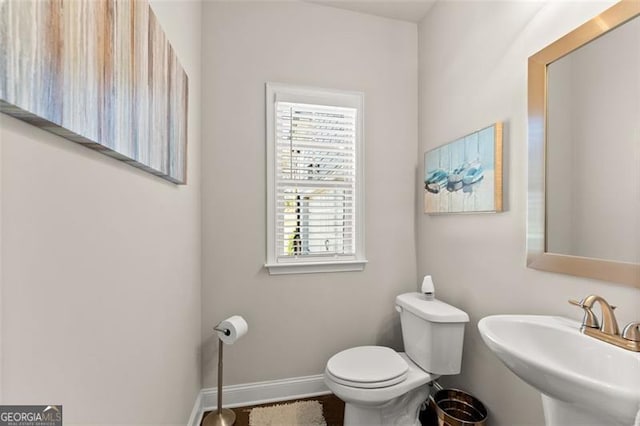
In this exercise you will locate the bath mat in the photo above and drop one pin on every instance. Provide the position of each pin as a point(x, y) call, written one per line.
point(302, 413)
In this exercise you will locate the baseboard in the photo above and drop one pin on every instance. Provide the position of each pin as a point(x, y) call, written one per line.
point(196, 414)
point(257, 393)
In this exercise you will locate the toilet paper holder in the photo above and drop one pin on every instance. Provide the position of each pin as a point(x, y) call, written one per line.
point(221, 416)
point(226, 331)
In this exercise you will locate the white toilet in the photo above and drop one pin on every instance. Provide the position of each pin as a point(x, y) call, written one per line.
point(383, 387)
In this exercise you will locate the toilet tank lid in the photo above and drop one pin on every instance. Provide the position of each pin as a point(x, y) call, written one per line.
point(431, 310)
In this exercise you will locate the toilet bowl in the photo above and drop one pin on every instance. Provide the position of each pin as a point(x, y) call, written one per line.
point(380, 403)
point(383, 387)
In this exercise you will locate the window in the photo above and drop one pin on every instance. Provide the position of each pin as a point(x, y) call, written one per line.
point(315, 217)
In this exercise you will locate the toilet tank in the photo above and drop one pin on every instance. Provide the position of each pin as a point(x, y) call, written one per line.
point(433, 332)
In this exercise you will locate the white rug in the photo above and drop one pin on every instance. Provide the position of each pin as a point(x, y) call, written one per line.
point(301, 413)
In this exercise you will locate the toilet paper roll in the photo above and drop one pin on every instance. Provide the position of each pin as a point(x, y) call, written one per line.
point(427, 287)
point(232, 329)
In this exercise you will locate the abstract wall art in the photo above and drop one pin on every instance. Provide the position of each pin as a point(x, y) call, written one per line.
point(465, 176)
point(100, 73)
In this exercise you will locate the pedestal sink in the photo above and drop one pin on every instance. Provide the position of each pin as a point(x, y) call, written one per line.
point(583, 381)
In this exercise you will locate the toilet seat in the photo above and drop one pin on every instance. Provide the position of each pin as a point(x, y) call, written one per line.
point(367, 367)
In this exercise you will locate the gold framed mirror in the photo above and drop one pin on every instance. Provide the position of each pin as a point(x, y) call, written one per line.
point(573, 226)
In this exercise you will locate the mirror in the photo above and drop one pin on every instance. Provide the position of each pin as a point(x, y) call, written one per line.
point(584, 150)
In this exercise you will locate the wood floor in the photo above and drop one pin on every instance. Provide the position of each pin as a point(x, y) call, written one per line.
point(332, 409)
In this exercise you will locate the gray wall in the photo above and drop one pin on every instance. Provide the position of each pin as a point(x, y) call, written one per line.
point(297, 322)
point(473, 71)
point(101, 270)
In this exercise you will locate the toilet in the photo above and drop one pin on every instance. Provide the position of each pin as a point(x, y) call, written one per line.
point(383, 387)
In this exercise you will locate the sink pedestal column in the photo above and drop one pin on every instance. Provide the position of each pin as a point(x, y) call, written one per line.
point(559, 413)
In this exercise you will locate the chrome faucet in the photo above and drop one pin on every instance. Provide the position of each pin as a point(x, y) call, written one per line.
point(608, 330)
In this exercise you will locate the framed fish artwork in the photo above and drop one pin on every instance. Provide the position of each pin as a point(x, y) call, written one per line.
point(465, 176)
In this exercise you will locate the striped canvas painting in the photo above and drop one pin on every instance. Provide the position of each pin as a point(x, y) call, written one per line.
point(98, 72)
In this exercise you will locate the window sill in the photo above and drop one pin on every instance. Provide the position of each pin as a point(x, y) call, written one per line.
point(315, 267)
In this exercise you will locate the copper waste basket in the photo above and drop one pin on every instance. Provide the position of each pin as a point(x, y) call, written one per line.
point(457, 408)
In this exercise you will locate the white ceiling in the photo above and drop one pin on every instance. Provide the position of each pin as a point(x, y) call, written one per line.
point(412, 11)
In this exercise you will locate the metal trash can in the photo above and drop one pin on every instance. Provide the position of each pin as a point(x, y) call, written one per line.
point(457, 408)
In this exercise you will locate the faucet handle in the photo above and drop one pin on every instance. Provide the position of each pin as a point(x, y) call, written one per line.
point(589, 319)
point(581, 304)
point(631, 332)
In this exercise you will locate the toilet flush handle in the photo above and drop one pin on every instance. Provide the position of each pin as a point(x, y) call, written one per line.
point(398, 308)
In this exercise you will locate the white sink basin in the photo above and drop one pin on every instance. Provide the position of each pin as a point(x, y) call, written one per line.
point(583, 380)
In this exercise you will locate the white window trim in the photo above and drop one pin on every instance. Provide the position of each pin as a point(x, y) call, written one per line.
point(284, 92)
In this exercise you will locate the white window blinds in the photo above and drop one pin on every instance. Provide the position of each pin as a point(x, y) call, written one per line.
point(315, 182)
